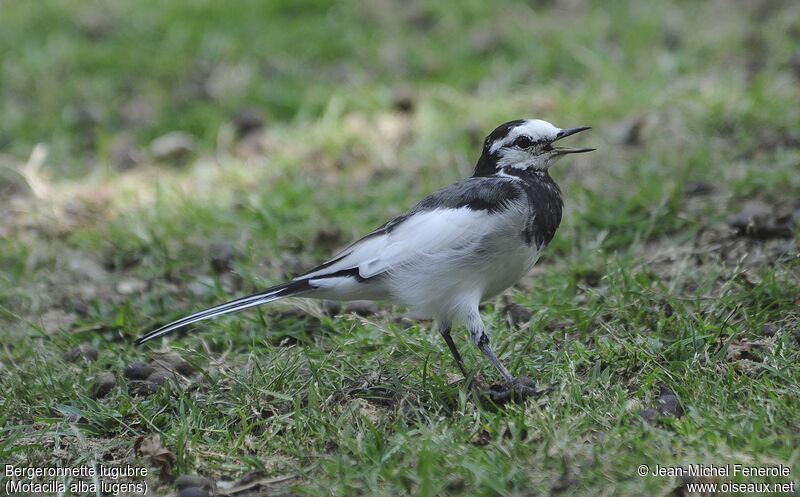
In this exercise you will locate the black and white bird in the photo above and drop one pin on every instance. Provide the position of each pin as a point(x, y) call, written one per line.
point(456, 248)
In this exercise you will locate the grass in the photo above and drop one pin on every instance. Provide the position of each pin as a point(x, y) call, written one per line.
point(644, 285)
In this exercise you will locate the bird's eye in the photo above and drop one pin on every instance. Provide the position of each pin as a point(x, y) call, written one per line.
point(523, 142)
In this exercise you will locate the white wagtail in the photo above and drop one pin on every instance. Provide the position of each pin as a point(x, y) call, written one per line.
point(457, 247)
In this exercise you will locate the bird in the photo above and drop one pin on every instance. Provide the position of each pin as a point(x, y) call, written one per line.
point(456, 248)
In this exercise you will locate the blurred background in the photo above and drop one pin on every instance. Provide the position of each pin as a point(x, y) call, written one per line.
point(86, 78)
point(159, 156)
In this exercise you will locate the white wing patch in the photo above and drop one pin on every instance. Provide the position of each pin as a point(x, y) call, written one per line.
point(422, 234)
point(425, 234)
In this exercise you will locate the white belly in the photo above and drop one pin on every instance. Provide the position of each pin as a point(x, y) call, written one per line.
point(451, 283)
point(507, 269)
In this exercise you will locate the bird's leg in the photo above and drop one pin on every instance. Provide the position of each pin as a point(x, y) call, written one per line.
point(520, 387)
point(479, 336)
point(444, 330)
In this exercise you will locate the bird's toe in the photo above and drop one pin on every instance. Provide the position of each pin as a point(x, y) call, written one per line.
point(520, 389)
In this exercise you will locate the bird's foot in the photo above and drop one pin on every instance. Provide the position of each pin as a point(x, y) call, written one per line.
point(520, 389)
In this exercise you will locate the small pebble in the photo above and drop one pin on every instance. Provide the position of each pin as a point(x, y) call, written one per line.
point(769, 330)
point(199, 481)
point(138, 370)
point(668, 403)
point(103, 384)
point(222, 255)
point(231, 282)
point(758, 220)
point(193, 492)
point(649, 415)
point(177, 363)
point(697, 188)
point(124, 153)
point(248, 120)
point(159, 377)
point(517, 314)
point(404, 322)
point(362, 307)
point(331, 307)
point(143, 388)
point(403, 102)
point(83, 351)
point(201, 286)
point(176, 146)
point(129, 286)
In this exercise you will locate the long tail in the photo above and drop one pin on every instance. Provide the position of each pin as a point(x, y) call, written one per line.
point(295, 287)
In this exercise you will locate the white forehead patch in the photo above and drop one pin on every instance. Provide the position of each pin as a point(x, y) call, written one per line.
point(536, 129)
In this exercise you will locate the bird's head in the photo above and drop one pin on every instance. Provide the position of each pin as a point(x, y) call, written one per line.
point(524, 146)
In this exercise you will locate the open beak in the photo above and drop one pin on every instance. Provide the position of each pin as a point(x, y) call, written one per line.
point(568, 132)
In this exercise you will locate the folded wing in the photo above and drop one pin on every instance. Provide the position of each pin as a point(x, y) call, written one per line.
point(446, 220)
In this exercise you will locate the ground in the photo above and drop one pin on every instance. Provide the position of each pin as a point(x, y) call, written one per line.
point(159, 157)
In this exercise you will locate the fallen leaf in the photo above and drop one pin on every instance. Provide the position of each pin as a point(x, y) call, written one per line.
point(150, 447)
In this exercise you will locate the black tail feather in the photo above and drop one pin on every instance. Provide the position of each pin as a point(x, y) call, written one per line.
point(295, 287)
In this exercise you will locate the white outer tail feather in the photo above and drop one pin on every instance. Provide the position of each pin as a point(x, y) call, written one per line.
point(267, 296)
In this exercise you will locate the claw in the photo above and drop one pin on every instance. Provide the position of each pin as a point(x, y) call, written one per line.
point(520, 389)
